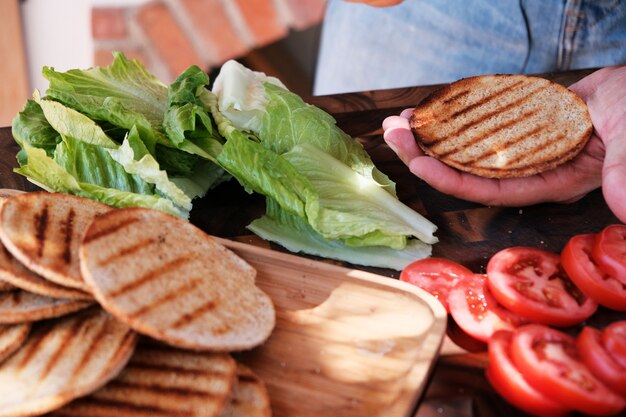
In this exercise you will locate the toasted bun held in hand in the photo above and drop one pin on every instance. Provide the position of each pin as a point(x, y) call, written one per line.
point(502, 126)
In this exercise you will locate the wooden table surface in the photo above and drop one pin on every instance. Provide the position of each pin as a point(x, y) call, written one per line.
point(469, 233)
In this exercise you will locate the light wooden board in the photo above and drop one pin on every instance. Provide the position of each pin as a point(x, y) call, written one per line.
point(347, 342)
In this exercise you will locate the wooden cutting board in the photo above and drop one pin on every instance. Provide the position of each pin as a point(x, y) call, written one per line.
point(347, 342)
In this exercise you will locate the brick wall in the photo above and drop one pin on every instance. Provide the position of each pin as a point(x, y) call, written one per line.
point(169, 35)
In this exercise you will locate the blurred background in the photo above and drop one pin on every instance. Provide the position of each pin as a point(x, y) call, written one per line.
point(278, 37)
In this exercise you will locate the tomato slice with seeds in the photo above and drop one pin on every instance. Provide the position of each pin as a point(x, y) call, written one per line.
point(549, 360)
point(507, 380)
point(614, 340)
point(435, 275)
point(600, 361)
point(609, 251)
point(579, 264)
point(531, 282)
point(476, 311)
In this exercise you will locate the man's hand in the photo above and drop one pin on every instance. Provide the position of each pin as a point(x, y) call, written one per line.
point(601, 162)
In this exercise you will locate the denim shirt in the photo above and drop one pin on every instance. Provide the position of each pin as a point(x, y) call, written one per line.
point(422, 42)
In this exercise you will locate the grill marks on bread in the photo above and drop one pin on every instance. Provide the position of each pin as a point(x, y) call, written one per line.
point(13, 274)
point(12, 336)
point(43, 231)
point(18, 306)
point(480, 103)
point(169, 280)
point(250, 398)
point(502, 125)
point(147, 277)
point(61, 360)
point(163, 381)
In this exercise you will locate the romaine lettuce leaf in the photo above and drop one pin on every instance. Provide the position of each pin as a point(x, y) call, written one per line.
point(136, 160)
point(186, 116)
point(280, 119)
point(281, 139)
point(354, 207)
point(296, 235)
point(93, 165)
point(49, 175)
point(260, 170)
point(31, 127)
point(124, 93)
point(70, 123)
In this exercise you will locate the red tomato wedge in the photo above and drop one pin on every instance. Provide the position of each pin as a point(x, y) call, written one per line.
point(435, 275)
point(614, 340)
point(600, 361)
point(530, 282)
point(476, 311)
point(549, 360)
point(609, 251)
point(507, 380)
point(578, 262)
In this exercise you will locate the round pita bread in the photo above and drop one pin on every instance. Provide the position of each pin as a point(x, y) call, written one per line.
point(19, 306)
point(168, 279)
point(163, 381)
point(250, 397)
point(62, 360)
point(14, 274)
point(43, 230)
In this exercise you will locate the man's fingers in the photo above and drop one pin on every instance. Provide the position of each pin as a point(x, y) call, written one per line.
point(393, 122)
point(586, 86)
point(400, 139)
point(406, 113)
point(614, 175)
point(456, 183)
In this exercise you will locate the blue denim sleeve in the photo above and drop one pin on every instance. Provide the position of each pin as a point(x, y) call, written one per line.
point(427, 42)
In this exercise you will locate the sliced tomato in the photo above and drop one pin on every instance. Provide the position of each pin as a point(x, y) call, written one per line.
point(435, 275)
point(476, 311)
point(579, 265)
point(507, 380)
point(614, 340)
point(549, 360)
point(609, 251)
point(531, 282)
point(600, 361)
point(464, 340)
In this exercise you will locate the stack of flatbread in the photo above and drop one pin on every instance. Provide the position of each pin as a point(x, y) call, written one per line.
point(123, 312)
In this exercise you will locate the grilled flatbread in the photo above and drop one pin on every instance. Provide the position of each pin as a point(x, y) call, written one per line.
point(502, 126)
point(250, 397)
point(12, 337)
point(14, 274)
point(19, 306)
point(42, 230)
point(62, 360)
point(4, 285)
point(167, 279)
point(162, 381)
point(8, 192)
